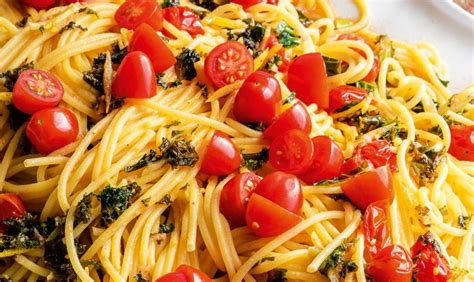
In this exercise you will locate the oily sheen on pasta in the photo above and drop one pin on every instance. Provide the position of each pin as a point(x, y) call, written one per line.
point(409, 93)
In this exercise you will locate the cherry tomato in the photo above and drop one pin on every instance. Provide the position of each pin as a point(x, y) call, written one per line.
point(39, 4)
point(368, 187)
point(235, 195)
point(391, 264)
point(344, 95)
point(265, 218)
point(222, 156)
point(51, 129)
point(296, 117)
point(37, 90)
point(282, 53)
point(377, 227)
point(228, 63)
point(353, 37)
point(258, 98)
point(135, 77)
point(145, 39)
point(183, 19)
point(307, 77)
point(326, 163)
point(430, 265)
point(375, 154)
point(248, 3)
point(132, 13)
point(462, 142)
point(75, 1)
point(291, 151)
point(374, 71)
point(192, 274)
point(173, 277)
point(12, 206)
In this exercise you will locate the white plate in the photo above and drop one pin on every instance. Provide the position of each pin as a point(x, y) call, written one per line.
point(439, 22)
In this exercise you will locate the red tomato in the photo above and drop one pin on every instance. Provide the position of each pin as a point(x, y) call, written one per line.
point(377, 227)
point(37, 90)
point(145, 39)
point(51, 129)
point(12, 206)
point(376, 154)
point(284, 56)
point(265, 218)
point(296, 117)
point(135, 77)
point(222, 156)
point(258, 98)
point(235, 195)
point(326, 163)
point(183, 19)
point(192, 274)
point(74, 1)
point(354, 38)
point(247, 3)
point(374, 71)
point(282, 189)
point(368, 187)
point(227, 63)
point(291, 151)
point(307, 77)
point(391, 264)
point(344, 95)
point(173, 277)
point(430, 265)
point(462, 142)
point(39, 4)
point(132, 13)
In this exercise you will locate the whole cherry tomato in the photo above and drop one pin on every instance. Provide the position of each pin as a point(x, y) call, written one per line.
point(391, 264)
point(344, 95)
point(462, 142)
point(185, 273)
point(183, 19)
point(222, 156)
point(430, 265)
point(39, 4)
point(377, 227)
point(292, 151)
point(11, 206)
point(376, 154)
point(296, 117)
point(132, 13)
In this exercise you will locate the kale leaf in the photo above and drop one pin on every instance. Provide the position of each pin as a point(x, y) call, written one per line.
point(144, 161)
point(185, 64)
point(83, 210)
point(206, 4)
point(178, 152)
point(286, 36)
point(365, 122)
point(336, 265)
point(11, 76)
point(255, 161)
point(72, 25)
point(164, 228)
point(114, 201)
point(277, 275)
point(425, 161)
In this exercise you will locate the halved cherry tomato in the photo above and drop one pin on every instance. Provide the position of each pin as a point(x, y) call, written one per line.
point(391, 264)
point(282, 189)
point(291, 151)
point(344, 95)
point(185, 273)
point(11, 206)
point(228, 63)
point(37, 90)
point(368, 187)
point(374, 71)
point(265, 218)
point(375, 154)
point(430, 265)
point(462, 142)
point(258, 98)
point(282, 53)
point(183, 19)
point(135, 77)
point(296, 117)
point(307, 77)
point(132, 13)
point(173, 277)
point(235, 196)
point(377, 227)
point(51, 129)
point(39, 4)
point(145, 39)
point(326, 163)
point(222, 156)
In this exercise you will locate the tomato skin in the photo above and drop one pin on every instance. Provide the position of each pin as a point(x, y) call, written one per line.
point(235, 196)
point(292, 151)
point(282, 189)
point(353, 37)
point(183, 19)
point(135, 77)
point(285, 58)
point(307, 77)
point(376, 154)
point(376, 227)
point(430, 265)
point(39, 4)
point(173, 277)
point(368, 187)
point(296, 117)
point(265, 218)
point(132, 13)
point(391, 264)
point(344, 95)
point(228, 63)
point(146, 40)
point(51, 129)
point(30, 89)
point(247, 3)
point(12, 206)
point(222, 156)
point(462, 142)
point(326, 163)
point(192, 274)
point(374, 71)
point(257, 99)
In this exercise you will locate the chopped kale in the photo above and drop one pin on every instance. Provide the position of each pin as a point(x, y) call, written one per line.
point(394, 132)
point(10, 76)
point(463, 221)
point(365, 122)
point(169, 3)
point(266, 259)
point(423, 215)
point(56, 258)
point(204, 90)
point(436, 130)
point(277, 275)
point(206, 4)
point(369, 87)
point(22, 233)
point(166, 85)
point(83, 210)
point(444, 82)
point(185, 64)
point(22, 22)
point(286, 35)
point(178, 152)
point(139, 277)
point(41, 28)
point(333, 66)
point(72, 25)
point(114, 201)
point(290, 98)
point(258, 126)
point(256, 160)
point(336, 265)
point(173, 123)
point(275, 61)
point(166, 229)
point(252, 36)
point(88, 11)
point(385, 48)
point(166, 200)
point(144, 161)
point(91, 264)
point(425, 161)
point(303, 19)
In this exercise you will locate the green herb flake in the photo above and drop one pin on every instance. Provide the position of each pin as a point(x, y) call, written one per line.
point(144, 161)
point(139, 277)
point(83, 210)
point(277, 275)
point(88, 11)
point(41, 28)
point(185, 64)
point(22, 22)
point(333, 66)
point(342, 23)
point(166, 200)
point(72, 25)
point(252, 36)
point(166, 229)
point(206, 4)
point(255, 161)
point(425, 161)
point(303, 19)
point(114, 201)
point(204, 90)
point(286, 36)
point(463, 221)
point(258, 126)
point(336, 265)
point(290, 98)
point(169, 3)
point(173, 123)
point(369, 87)
point(11, 76)
point(91, 264)
point(178, 152)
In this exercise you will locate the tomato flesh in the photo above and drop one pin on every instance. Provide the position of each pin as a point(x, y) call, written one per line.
point(222, 156)
point(296, 117)
point(12, 206)
point(146, 40)
point(39, 4)
point(430, 265)
point(132, 13)
point(376, 227)
point(135, 77)
point(344, 95)
point(291, 152)
point(193, 274)
point(183, 19)
point(235, 196)
point(228, 63)
point(462, 142)
point(391, 264)
point(307, 77)
point(258, 99)
point(375, 154)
